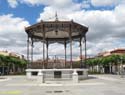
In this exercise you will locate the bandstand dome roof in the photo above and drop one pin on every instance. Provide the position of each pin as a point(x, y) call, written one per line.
point(56, 31)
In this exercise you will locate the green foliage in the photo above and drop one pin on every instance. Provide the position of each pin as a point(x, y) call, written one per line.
point(114, 59)
point(93, 61)
point(9, 59)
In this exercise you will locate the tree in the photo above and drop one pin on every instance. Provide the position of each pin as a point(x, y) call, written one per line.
point(11, 63)
point(3, 63)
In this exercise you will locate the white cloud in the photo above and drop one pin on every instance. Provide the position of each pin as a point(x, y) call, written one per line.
point(12, 34)
point(59, 3)
point(85, 4)
point(33, 2)
point(106, 28)
point(104, 2)
point(120, 12)
point(49, 12)
point(13, 24)
point(13, 3)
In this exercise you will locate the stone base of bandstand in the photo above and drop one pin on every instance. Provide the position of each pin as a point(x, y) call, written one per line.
point(43, 75)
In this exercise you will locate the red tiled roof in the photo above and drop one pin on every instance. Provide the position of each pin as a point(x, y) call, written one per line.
point(118, 51)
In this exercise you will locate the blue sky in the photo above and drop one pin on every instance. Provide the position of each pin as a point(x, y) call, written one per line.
point(27, 12)
point(32, 12)
point(105, 19)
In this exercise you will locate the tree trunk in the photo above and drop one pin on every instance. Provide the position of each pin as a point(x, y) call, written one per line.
point(92, 68)
point(8, 69)
point(3, 69)
point(110, 68)
point(13, 68)
point(99, 68)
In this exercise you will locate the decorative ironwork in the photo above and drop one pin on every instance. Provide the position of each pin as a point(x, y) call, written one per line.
point(62, 32)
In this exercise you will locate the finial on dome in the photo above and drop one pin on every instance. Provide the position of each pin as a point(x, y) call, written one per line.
point(56, 16)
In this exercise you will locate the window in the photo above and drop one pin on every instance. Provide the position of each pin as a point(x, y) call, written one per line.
point(80, 72)
point(57, 74)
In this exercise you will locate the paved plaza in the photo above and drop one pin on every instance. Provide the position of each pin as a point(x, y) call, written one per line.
point(95, 85)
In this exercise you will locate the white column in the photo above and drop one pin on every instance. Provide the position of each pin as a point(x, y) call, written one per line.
point(40, 76)
point(28, 74)
point(85, 74)
point(75, 77)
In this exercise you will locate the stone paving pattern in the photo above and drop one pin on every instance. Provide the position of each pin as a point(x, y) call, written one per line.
point(95, 85)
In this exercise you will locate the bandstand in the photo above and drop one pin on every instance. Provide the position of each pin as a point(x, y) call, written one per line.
point(62, 32)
